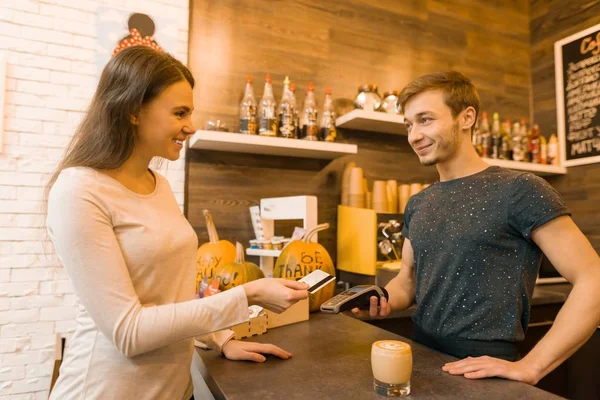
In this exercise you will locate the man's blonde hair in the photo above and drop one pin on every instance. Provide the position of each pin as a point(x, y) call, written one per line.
point(459, 92)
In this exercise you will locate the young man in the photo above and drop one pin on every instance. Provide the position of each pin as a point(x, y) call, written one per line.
point(474, 242)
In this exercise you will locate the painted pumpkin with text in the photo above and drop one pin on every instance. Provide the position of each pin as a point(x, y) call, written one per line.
point(300, 258)
point(212, 254)
point(238, 272)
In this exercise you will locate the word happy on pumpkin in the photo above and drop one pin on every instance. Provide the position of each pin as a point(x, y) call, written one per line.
point(209, 264)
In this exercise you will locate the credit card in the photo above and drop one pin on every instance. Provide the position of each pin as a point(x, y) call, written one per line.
point(317, 280)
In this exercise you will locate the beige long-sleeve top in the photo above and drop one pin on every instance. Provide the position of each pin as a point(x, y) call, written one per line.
point(131, 259)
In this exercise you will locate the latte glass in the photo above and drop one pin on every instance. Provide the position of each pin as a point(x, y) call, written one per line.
point(391, 361)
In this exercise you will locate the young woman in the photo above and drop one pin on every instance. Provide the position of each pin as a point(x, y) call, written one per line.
point(128, 249)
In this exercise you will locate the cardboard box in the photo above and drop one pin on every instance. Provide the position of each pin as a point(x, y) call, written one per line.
point(296, 313)
point(253, 327)
point(268, 320)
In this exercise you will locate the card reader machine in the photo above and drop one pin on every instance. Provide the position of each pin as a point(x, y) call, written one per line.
point(358, 296)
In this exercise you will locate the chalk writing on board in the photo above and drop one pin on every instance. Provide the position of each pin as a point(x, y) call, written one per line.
point(582, 96)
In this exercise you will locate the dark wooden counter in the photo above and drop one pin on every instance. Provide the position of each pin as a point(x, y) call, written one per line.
point(332, 361)
point(576, 378)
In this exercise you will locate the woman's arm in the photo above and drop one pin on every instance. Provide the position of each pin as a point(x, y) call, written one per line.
point(85, 241)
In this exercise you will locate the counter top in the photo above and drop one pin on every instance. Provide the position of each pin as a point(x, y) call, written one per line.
point(332, 361)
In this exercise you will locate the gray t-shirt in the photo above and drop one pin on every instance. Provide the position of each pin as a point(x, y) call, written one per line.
point(475, 262)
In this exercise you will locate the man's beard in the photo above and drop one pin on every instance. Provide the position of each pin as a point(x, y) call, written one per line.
point(447, 147)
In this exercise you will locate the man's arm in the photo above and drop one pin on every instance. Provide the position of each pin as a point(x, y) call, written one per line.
point(401, 289)
point(575, 259)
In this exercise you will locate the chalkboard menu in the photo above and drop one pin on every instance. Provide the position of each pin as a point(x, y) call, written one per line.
point(577, 64)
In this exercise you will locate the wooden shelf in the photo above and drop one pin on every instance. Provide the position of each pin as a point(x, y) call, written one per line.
point(372, 121)
point(263, 253)
point(538, 169)
point(277, 146)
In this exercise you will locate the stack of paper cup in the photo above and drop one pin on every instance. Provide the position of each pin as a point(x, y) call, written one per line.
point(346, 182)
point(415, 188)
point(356, 194)
point(392, 196)
point(403, 196)
point(380, 200)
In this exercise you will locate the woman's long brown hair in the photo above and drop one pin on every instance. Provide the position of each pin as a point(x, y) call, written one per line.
point(105, 138)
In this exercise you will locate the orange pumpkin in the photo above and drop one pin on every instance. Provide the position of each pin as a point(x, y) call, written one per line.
point(301, 257)
point(238, 272)
point(213, 254)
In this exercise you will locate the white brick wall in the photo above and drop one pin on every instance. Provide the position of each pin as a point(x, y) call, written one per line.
point(50, 51)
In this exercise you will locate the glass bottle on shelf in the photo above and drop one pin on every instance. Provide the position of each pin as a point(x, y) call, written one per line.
point(285, 112)
point(534, 144)
point(543, 150)
point(296, 111)
point(553, 150)
point(308, 118)
point(506, 145)
point(495, 137)
point(525, 135)
point(266, 111)
point(517, 145)
point(484, 132)
point(248, 110)
point(327, 131)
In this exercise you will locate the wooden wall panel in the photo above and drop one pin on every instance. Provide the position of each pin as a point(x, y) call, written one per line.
point(552, 20)
point(342, 43)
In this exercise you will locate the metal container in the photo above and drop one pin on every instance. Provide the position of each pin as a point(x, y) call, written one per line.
point(368, 98)
point(390, 102)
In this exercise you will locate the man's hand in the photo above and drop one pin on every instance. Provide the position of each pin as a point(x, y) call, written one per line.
point(383, 308)
point(487, 367)
point(249, 351)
